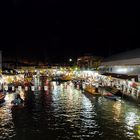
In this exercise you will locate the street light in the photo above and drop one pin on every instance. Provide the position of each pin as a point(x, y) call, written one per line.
point(70, 60)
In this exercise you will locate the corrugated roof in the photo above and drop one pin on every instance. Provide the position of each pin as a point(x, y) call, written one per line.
point(125, 55)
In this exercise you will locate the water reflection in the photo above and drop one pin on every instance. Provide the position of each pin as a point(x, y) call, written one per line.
point(6, 124)
point(63, 112)
point(117, 110)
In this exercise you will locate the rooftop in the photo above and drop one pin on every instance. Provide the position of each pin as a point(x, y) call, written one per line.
point(126, 58)
point(125, 55)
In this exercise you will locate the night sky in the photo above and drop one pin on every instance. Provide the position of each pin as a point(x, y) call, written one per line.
point(55, 29)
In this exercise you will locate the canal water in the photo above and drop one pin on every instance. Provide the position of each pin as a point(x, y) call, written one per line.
point(63, 112)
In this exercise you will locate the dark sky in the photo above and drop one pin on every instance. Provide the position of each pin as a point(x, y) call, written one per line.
point(41, 29)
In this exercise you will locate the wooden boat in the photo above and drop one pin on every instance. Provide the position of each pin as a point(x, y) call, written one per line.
point(107, 94)
point(62, 78)
point(17, 103)
point(114, 91)
point(112, 97)
point(17, 107)
point(2, 96)
point(92, 90)
point(66, 78)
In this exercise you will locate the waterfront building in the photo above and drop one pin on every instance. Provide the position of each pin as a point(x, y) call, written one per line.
point(124, 65)
point(123, 72)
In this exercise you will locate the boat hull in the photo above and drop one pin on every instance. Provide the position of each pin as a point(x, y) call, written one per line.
point(114, 98)
point(92, 90)
point(17, 107)
point(2, 96)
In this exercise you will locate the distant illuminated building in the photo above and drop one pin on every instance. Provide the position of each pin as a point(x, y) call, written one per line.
point(124, 65)
point(88, 62)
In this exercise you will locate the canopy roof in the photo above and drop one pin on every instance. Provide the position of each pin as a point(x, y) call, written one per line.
point(126, 58)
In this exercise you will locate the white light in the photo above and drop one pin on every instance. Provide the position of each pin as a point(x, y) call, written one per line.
point(122, 70)
point(96, 73)
point(32, 88)
point(26, 88)
point(45, 88)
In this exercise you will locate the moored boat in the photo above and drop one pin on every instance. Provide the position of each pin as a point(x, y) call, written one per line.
point(112, 97)
point(92, 90)
point(66, 78)
point(2, 96)
point(17, 107)
point(114, 91)
point(17, 103)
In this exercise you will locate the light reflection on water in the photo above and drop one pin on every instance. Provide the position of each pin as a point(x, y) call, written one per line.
point(67, 113)
point(117, 111)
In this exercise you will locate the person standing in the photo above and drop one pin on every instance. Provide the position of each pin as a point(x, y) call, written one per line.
point(18, 100)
